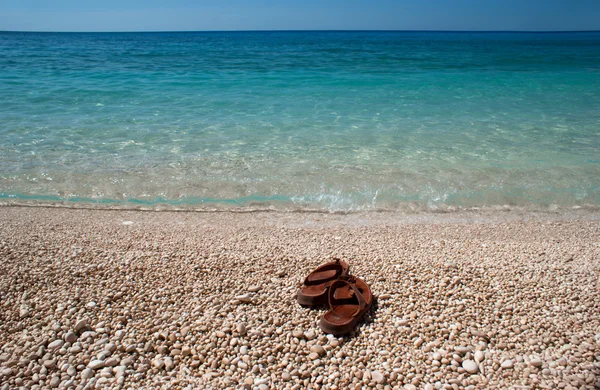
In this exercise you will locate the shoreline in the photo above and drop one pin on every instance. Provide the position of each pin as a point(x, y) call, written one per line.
point(206, 300)
point(484, 214)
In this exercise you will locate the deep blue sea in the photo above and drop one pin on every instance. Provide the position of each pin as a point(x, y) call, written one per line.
point(332, 121)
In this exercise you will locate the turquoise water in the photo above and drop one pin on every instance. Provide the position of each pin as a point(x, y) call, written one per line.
point(336, 121)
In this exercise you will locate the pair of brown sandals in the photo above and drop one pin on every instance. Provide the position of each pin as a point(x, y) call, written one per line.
point(349, 297)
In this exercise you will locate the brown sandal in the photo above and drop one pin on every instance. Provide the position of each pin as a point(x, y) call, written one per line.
point(316, 284)
point(349, 300)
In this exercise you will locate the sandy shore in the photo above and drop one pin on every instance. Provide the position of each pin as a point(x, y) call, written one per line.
point(96, 298)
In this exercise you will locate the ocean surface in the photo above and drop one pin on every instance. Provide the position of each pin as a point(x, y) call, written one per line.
point(329, 121)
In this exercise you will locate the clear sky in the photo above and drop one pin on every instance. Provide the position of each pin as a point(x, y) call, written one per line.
point(197, 15)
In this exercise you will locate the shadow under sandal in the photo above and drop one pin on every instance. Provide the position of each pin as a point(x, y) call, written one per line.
point(316, 285)
point(349, 300)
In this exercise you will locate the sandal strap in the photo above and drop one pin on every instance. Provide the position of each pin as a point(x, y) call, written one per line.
point(339, 268)
point(351, 282)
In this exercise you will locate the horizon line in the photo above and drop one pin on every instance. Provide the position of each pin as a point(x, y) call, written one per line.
point(309, 30)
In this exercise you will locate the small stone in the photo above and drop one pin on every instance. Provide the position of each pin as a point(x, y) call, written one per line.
point(470, 366)
point(385, 296)
point(536, 362)
point(507, 364)
point(298, 333)
point(286, 376)
point(75, 349)
point(111, 347)
point(24, 311)
point(377, 377)
point(410, 386)
point(366, 375)
point(87, 334)
point(81, 325)
point(244, 298)
point(319, 350)
point(49, 363)
point(313, 356)
point(56, 344)
point(418, 342)
point(220, 334)
point(55, 381)
point(70, 337)
point(96, 364)
point(186, 351)
point(310, 335)
point(158, 363)
point(241, 328)
point(255, 288)
point(169, 364)
point(402, 323)
point(91, 305)
point(87, 373)
point(111, 362)
point(479, 356)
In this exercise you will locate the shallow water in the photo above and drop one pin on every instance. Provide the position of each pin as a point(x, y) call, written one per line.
point(333, 121)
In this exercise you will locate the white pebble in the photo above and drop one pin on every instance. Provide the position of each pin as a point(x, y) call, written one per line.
point(56, 344)
point(536, 362)
point(96, 364)
point(479, 356)
point(377, 376)
point(81, 325)
point(470, 366)
point(87, 373)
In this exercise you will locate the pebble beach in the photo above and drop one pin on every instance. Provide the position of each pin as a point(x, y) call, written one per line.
point(96, 299)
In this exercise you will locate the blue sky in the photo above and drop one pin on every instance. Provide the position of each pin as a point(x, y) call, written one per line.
point(189, 15)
